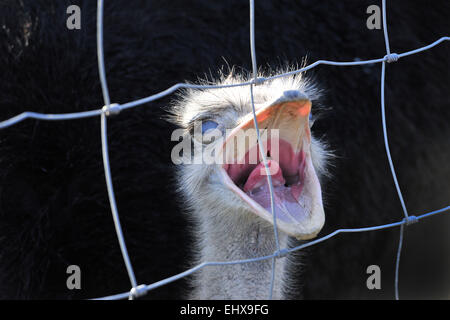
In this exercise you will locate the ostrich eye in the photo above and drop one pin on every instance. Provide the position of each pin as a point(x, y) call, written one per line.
point(311, 120)
point(208, 125)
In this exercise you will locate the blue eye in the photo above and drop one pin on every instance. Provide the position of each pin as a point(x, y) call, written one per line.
point(311, 120)
point(208, 125)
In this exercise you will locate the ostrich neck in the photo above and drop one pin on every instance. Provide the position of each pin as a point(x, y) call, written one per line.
point(233, 236)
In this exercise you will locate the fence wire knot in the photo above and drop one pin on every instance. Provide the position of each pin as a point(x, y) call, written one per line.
point(112, 109)
point(281, 253)
point(392, 57)
point(259, 80)
point(410, 220)
point(137, 292)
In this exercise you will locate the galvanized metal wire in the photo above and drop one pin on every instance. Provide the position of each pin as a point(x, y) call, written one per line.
point(105, 154)
point(108, 109)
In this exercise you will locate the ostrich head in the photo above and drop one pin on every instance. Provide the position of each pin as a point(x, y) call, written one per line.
point(223, 172)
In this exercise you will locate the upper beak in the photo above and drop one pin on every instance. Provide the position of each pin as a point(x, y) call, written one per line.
point(284, 118)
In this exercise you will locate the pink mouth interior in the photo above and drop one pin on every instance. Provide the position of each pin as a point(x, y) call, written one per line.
point(287, 179)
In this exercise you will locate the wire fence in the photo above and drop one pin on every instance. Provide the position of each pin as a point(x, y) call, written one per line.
point(112, 109)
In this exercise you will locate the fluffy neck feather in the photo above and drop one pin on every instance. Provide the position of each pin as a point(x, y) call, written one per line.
point(236, 236)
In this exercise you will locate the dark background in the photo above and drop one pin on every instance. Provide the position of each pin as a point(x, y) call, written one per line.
point(54, 210)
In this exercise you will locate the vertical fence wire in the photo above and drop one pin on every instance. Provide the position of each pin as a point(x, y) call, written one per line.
point(397, 262)
point(105, 155)
point(261, 146)
point(386, 143)
point(383, 113)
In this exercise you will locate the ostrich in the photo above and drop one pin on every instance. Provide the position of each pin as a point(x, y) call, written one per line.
point(230, 201)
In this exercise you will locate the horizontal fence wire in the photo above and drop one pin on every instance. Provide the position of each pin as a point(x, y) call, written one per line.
point(111, 109)
point(116, 108)
point(282, 253)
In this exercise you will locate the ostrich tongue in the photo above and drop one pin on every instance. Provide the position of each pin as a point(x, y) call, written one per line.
point(288, 204)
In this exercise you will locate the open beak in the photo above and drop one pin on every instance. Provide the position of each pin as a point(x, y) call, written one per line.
point(286, 138)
